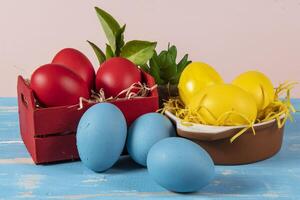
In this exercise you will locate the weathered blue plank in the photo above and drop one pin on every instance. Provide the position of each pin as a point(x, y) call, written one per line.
point(274, 178)
point(8, 101)
point(9, 121)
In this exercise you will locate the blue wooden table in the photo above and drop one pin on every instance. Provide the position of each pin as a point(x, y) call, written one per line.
point(274, 178)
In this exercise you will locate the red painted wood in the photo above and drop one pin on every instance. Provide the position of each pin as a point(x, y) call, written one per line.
point(56, 148)
point(49, 133)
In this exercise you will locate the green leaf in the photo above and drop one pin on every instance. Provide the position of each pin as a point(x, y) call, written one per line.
point(155, 72)
point(120, 40)
point(154, 69)
point(164, 68)
point(168, 72)
point(153, 60)
point(110, 26)
point(109, 52)
point(162, 53)
point(162, 59)
point(165, 60)
point(180, 67)
point(100, 55)
point(183, 63)
point(170, 61)
point(173, 81)
point(172, 52)
point(154, 57)
point(138, 52)
point(145, 68)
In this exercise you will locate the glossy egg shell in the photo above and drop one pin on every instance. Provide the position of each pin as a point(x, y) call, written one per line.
point(180, 165)
point(101, 136)
point(55, 85)
point(225, 105)
point(115, 75)
point(145, 132)
point(77, 62)
point(258, 85)
point(194, 78)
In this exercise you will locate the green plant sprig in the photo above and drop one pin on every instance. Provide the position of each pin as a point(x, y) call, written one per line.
point(163, 66)
point(137, 51)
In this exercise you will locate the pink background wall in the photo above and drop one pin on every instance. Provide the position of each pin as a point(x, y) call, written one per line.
point(233, 36)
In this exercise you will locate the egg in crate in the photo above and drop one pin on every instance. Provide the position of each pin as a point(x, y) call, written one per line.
point(56, 85)
point(117, 74)
point(78, 63)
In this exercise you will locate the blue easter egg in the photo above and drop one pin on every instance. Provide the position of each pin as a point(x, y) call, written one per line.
point(180, 165)
point(146, 131)
point(101, 136)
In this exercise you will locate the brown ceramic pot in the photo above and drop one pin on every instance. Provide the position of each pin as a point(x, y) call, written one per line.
point(247, 148)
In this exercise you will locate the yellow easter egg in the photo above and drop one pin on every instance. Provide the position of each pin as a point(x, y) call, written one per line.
point(258, 85)
point(224, 105)
point(195, 77)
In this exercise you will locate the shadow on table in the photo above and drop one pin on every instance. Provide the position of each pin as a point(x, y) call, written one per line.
point(232, 185)
point(125, 165)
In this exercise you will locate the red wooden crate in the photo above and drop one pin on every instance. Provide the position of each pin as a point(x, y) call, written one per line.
point(50, 133)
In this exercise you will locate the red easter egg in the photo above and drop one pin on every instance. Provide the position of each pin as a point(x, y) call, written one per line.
point(78, 63)
point(117, 74)
point(55, 85)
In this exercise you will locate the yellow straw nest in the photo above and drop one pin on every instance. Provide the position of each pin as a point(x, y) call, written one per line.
point(279, 109)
